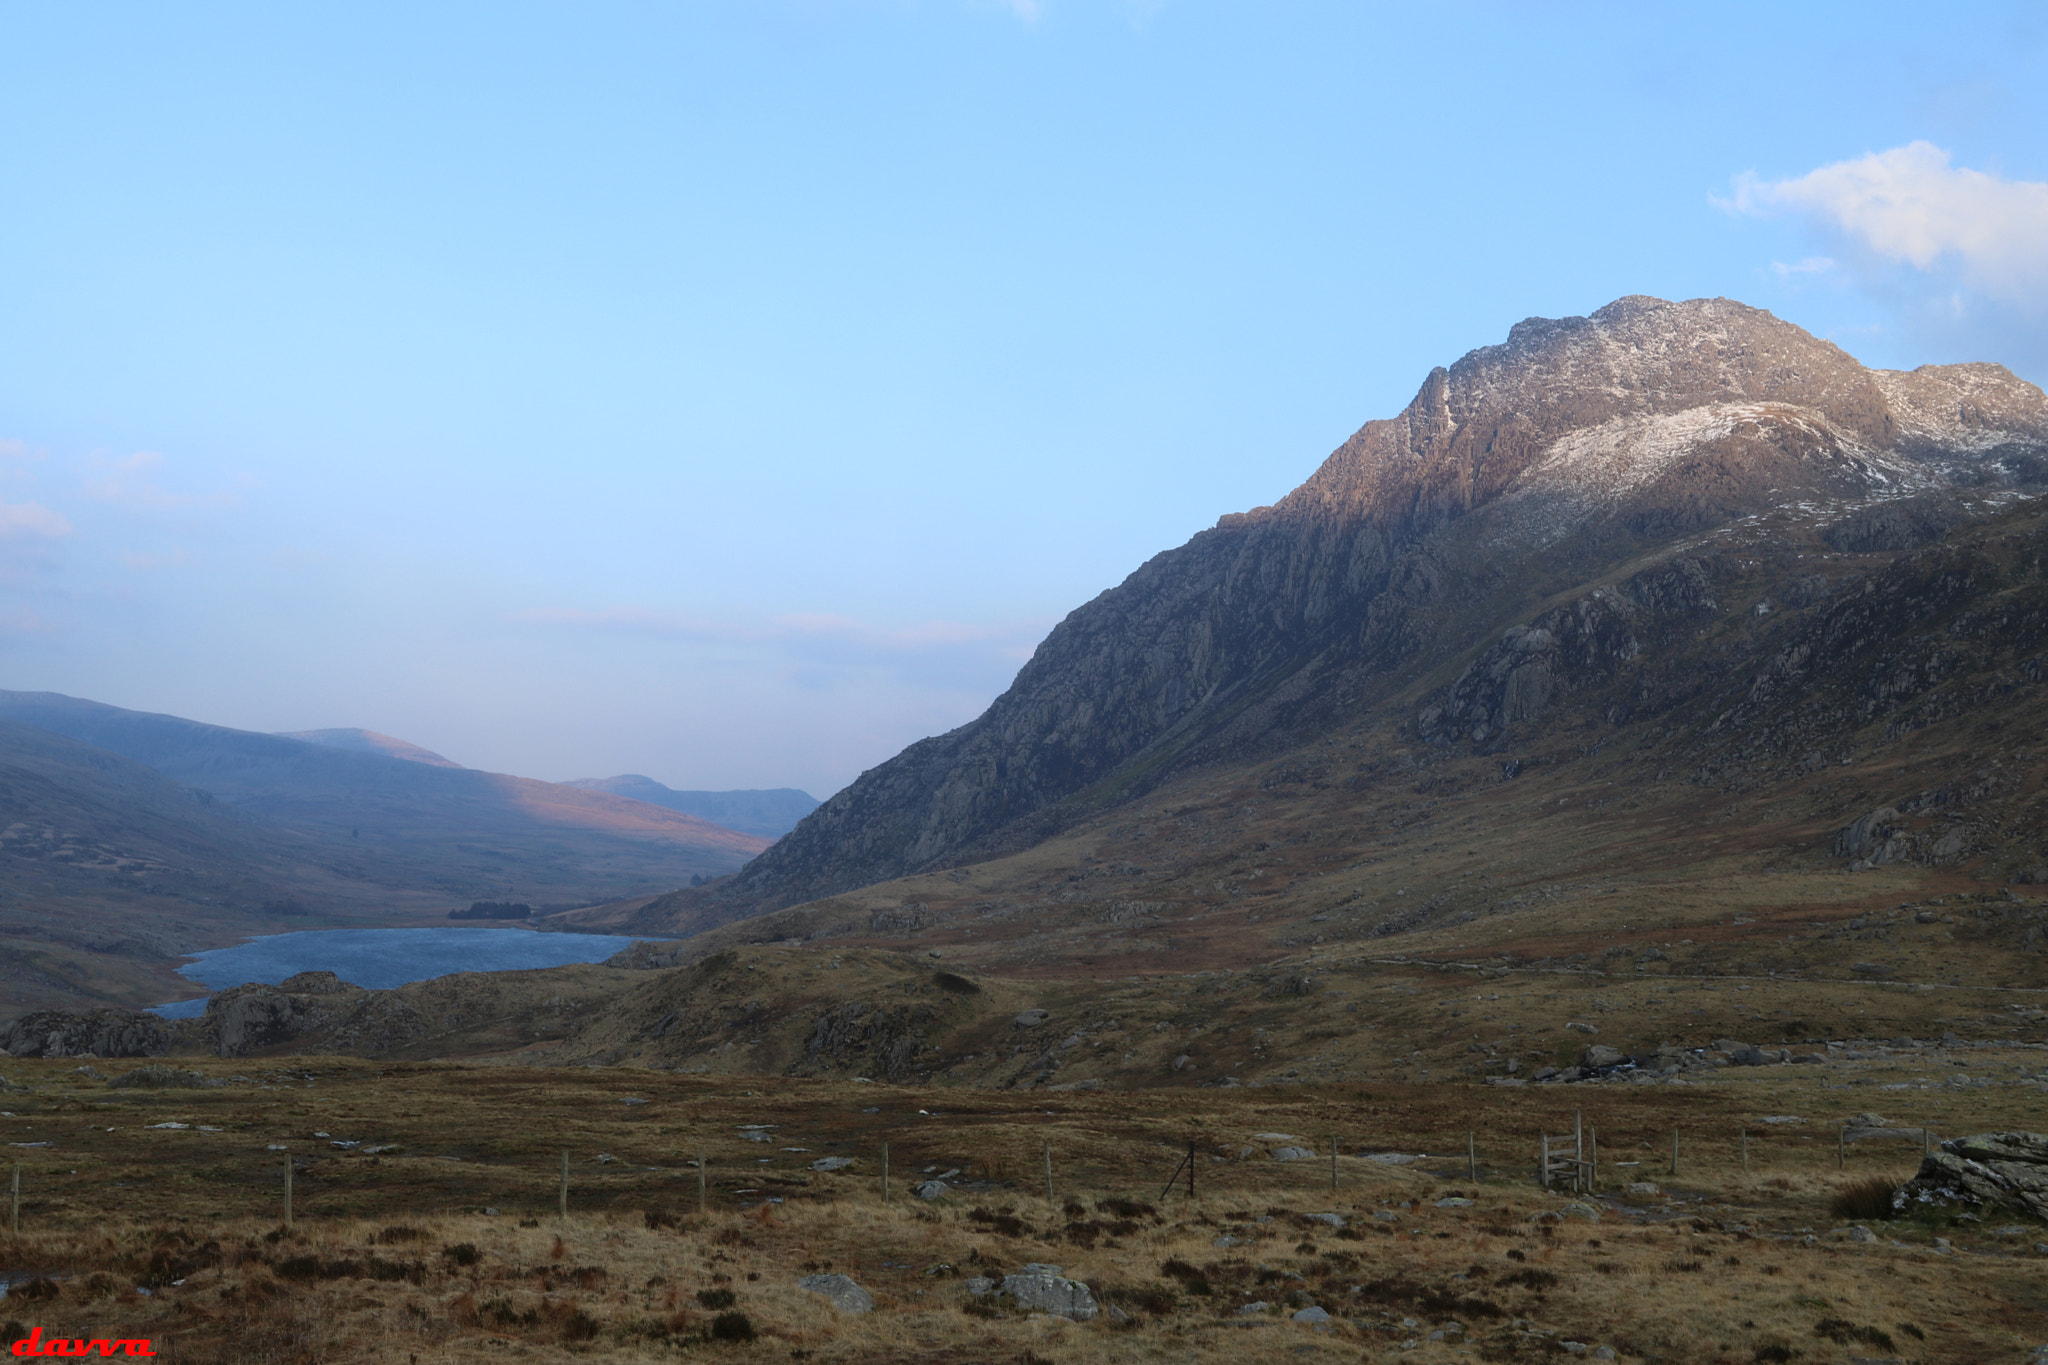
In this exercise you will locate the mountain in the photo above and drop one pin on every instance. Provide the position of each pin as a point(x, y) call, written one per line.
point(370, 742)
point(1602, 462)
point(771, 813)
point(392, 822)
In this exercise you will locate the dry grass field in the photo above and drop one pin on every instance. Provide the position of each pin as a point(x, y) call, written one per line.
point(427, 1226)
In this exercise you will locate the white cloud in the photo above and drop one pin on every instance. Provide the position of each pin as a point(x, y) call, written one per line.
point(31, 521)
point(1910, 206)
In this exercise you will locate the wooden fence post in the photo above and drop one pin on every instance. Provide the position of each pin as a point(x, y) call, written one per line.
point(885, 1173)
point(288, 1189)
point(700, 1180)
point(1543, 1159)
point(1048, 1172)
point(1674, 1151)
point(563, 1197)
point(1842, 1145)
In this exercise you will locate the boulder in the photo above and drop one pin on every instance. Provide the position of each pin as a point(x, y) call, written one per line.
point(1038, 1292)
point(1293, 1154)
point(1989, 1170)
point(1600, 1054)
point(844, 1293)
point(1335, 1220)
point(1314, 1317)
point(932, 1189)
point(1033, 1018)
point(832, 1163)
point(157, 1076)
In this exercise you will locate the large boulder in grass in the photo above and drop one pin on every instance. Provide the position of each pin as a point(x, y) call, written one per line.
point(1039, 1292)
point(2008, 1170)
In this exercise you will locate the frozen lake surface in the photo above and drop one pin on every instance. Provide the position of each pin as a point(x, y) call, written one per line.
point(382, 958)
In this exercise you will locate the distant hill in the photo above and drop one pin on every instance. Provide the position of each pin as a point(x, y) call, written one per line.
point(456, 833)
point(370, 742)
point(770, 814)
point(109, 870)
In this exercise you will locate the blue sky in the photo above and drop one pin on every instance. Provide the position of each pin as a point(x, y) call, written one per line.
point(735, 392)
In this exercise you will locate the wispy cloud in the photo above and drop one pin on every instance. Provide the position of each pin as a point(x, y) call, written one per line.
point(796, 629)
point(1912, 206)
point(1811, 265)
point(31, 521)
point(177, 557)
point(132, 481)
point(816, 648)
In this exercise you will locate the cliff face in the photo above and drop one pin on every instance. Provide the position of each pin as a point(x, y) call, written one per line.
point(1576, 447)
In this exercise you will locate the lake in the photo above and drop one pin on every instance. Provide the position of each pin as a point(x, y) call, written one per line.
point(382, 958)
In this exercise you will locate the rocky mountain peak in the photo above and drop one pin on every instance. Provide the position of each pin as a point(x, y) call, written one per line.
point(1575, 416)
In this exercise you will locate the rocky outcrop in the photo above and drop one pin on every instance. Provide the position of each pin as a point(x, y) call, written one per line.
point(257, 1017)
point(876, 1042)
point(1990, 1170)
point(94, 1033)
point(1575, 446)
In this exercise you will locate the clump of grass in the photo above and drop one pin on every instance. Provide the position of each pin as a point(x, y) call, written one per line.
point(462, 1253)
point(715, 1299)
point(733, 1326)
point(1865, 1200)
point(1848, 1333)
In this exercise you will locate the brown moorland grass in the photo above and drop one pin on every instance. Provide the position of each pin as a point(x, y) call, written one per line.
point(393, 1259)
